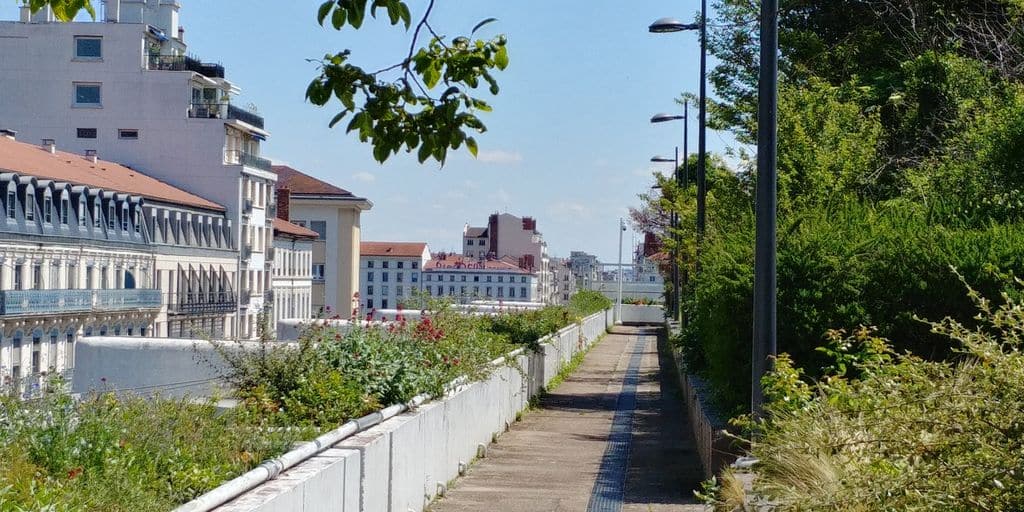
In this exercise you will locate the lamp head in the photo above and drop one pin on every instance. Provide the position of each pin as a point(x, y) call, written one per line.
point(663, 117)
point(663, 159)
point(665, 25)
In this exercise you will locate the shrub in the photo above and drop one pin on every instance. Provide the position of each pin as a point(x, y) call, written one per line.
point(907, 434)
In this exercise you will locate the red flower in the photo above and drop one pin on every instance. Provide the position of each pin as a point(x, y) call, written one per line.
point(74, 473)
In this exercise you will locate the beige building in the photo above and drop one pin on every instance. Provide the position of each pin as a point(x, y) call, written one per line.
point(508, 236)
point(334, 214)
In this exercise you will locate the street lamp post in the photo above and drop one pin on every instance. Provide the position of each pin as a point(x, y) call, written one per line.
point(765, 284)
point(618, 297)
point(673, 231)
point(681, 183)
point(665, 25)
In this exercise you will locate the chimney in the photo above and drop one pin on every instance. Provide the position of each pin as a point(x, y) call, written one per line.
point(112, 11)
point(8, 133)
point(284, 199)
point(26, 14)
point(50, 145)
point(90, 154)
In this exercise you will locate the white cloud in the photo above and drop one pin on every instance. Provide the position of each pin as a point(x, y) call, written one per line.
point(498, 156)
point(364, 177)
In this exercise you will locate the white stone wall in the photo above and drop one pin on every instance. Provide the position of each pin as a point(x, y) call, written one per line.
point(292, 280)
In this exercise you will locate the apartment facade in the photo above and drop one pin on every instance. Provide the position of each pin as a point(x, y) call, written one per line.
point(124, 88)
point(465, 279)
point(292, 290)
point(334, 214)
point(585, 269)
point(83, 248)
point(390, 273)
point(562, 280)
point(508, 236)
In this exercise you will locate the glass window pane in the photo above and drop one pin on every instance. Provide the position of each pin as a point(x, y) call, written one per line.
point(87, 94)
point(88, 47)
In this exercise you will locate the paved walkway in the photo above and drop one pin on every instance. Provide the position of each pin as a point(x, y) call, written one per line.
point(610, 438)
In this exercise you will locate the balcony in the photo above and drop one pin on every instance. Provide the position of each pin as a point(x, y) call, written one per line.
point(184, 63)
point(49, 302)
point(201, 303)
point(238, 157)
point(221, 110)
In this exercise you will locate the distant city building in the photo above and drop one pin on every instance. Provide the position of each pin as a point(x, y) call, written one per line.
point(563, 280)
point(90, 247)
point(508, 236)
point(465, 279)
point(585, 269)
point(126, 88)
point(334, 214)
point(292, 291)
point(390, 273)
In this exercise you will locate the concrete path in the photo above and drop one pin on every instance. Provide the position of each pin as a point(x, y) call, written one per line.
point(613, 437)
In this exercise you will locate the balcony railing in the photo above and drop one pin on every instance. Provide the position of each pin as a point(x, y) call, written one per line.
point(184, 63)
point(201, 303)
point(237, 157)
point(48, 302)
point(223, 110)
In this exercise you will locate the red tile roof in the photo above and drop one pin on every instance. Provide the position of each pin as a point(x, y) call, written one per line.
point(392, 249)
point(457, 262)
point(33, 160)
point(293, 230)
point(301, 183)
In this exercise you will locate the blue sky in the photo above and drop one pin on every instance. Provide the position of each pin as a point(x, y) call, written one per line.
point(568, 142)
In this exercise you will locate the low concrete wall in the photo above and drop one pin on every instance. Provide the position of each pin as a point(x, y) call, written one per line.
point(635, 314)
point(709, 427)
point(403, 463)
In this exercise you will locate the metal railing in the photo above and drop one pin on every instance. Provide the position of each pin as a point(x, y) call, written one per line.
point(184, 63)
point(48, 302)
point(239, 157)
point(201, 303)
point(224, 110)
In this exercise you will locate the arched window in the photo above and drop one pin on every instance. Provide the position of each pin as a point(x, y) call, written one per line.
point(97, 219)
point(103, 330)
point(129, 280)
point(88, 331)
point(117, 329)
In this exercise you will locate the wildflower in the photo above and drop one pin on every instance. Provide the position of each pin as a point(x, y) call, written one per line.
point(74, 473)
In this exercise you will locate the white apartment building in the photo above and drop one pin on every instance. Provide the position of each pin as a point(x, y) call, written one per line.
point(585, 269)
point(465, 279)
point(508, 236)
point(84, 245)
point(390, 273)
point(124, 88)
point(292, 290)
point(334, 214)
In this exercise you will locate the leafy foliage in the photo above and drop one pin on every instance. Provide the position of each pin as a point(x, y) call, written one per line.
point(905, 434)
point(402, 112)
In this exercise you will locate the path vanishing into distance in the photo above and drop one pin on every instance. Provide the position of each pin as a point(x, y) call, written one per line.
point(614, 436)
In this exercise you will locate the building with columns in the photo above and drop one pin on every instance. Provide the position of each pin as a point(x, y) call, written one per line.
point(125, 87)
point(292, 290)
point(90, 247)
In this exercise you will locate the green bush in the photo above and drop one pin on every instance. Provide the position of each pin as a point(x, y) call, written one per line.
point(849, 266)
point(587, 302)
point(907, 434)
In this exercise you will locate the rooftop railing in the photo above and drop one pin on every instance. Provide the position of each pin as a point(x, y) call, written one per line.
point(184, 63)
point(201, 303)
point(238, 157)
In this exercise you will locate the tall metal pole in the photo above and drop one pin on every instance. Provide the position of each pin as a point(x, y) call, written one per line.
point(702, 141)
point(675, 253)
point(765, 342)
point(618, 298)
point(686, 183)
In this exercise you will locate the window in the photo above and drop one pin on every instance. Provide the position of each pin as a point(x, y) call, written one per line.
point(400, 291)
point(462, 291)
point(12, 203)
point(65, 205)
point(501, 291)
point(451, 278)
point(522, 279)
point(88, 48)
point(138, 221)
point(451, 290)
point(383, 303)
point(415, 265)
point(401, 264)
point(30, 204)
point(369, 289)
point(384, 277)
point(124, 217)
point(476, 290)
point(72, 276)
point(415, 277)
point(469, 242)
point(47, 210)
point(476, 279)
point(511, 292)
point(318, 272)
point(18, 269)
point(111, 216)
point(86, 133)
point(369, 277)
point(384, 290)
point(128, 134)
point(489, 278)
point(488, 292)
point(400, 276)
point(96, 220)
point(384, 264)
point(462, 278)
point(37, 276)
point(320, 227)
point(501, 279)
point(369, 263)
point(522, 292)
point(369, 304)
point(87, 95)
point(440, 290)
point(428, 278)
